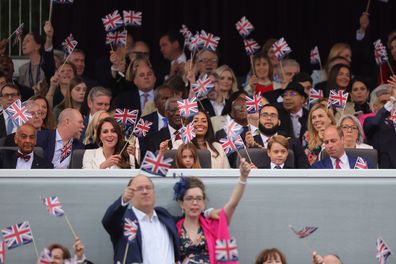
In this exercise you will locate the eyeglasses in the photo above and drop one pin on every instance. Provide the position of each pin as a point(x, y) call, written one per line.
point(198, 199)
point(290, 93)
point(270, 115)
point(142, 188)
point(206, 61)
point(346, 127)
point(12, 95)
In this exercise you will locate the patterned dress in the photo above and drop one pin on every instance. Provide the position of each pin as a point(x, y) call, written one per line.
point(194, 253)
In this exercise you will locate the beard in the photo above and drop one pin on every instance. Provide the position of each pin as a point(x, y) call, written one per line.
point(268, 131)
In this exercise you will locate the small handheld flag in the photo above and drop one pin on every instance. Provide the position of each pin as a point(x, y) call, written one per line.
point(338, 99)
point(187, 132)
point(188, 107)
point(226, 250)
point(112, 21)
point(251, 46)
point(253, 104)
point(281, 48)
point(315, 95)
point(69, 44)
point(314, 56)
point(54, 206)
point(360, 163)
point(118, 38)
point(17, 235)
point(202, 87)
point(130, 229)
point(244, 27)
point(125, 116)
point(18, 33)
point(232, 128)
point(156, 164)
point(306, 231)
point(380, 53)
point(209, 41)
point(231, 145)
point(18, 112)
point(132, 18)
point(383, 251)
point(142, 128)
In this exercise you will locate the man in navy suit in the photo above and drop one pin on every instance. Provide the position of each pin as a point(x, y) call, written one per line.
point(156, 240)
point(24, 157)
point(333, 139)
point(56, 143)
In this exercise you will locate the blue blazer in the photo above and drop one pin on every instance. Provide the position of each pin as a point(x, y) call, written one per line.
point(326, 163)
point(46, 140)
point(113, 222)
point(152, 117)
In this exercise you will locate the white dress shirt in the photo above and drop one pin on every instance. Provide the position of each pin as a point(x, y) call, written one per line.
point(22, 164)
point(181, 59)
point(218, 107)
point(157, 245)
point(58, 152)
point(6, 122)
point(273, 165)
point(175, 143)
point(160, 121)
point(344, 162)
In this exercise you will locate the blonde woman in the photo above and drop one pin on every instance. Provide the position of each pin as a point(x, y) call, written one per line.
point(227, 81)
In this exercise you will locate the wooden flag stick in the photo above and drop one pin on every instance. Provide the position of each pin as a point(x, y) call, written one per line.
point(252, 65)
point(35, 247)
point(70, 226)
point(126, 253)
point(283, 71)
point(368, 6)
point(50, 10)
point(13, 33)
point(247, 153)
point(390, 67)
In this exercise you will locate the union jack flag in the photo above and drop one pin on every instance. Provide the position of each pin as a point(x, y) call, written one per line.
point(17, 235)
point(156, 164)
point(119, 38)
point(69, 44)
point(54, 206)
point(188, 107)
point(315, 95)
point(231, 145)
point(18, 34)
point(226, 250)
point(195, 42)
point(142, 128)
point(314, 55)
point(338, 99)
point(18, 112)
point(383, 251)
point(392, 116)
point(251, 46)
point(306, 231)
point(232, 128)
point(185, 32)
point(209, 41)
point(253, 104)
point(244, 27)
point(132, 18)
point(187, 132)
point(281, 48)
point(112, 21)
point(380, 53)
point(66, 150)
point(130, 229)
point(126, 116)
point(46, 257)
point(2, 252)
point(202, 87)
point(63, 1)
point(360, 163)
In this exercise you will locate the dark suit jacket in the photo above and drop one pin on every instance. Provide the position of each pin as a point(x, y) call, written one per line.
point(113, 222)
point(209, 107)
point(375, 124)
point(153, 118)
point(387, 148)
point(267, 165)
point(46, 140)
point(8, 160)
point(153, 141)
point(300, 159)
point(129, 98)
point(287, 124)
point(326, 163)
point(3, 131)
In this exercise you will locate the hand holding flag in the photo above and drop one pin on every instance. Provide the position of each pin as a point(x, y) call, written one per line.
point(69, 44)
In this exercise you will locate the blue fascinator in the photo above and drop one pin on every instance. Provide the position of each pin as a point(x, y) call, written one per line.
point(180, 189)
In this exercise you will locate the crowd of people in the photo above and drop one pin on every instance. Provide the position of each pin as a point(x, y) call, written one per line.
point(71, 111)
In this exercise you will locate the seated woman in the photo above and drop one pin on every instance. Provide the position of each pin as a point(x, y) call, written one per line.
point(360, 93)
point(46, 112)
point(319, 118)
point(60, 254)
point(198, 235)
point(74, 96)
point(353, 132)
point(59, 83)
point(108, 155)
point(271, 256)
point(228, 83)
point(205, 139)
point(187, 157)
point(90, 133)
point(277, 151)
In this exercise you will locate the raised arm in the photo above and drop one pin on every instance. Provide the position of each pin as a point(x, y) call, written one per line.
point(236, 195)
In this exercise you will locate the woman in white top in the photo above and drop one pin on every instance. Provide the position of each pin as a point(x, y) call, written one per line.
point(111, 142)
point(205, 139)
point(353, 132)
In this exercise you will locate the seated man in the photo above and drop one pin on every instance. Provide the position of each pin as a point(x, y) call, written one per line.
point(333, 139)
point(59, 143)
point(24, 157)
point(157, 240)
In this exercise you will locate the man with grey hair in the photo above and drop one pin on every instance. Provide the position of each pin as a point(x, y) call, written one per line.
point(381, 103)
point(98, 99)
point(290, 67)
point(59, 143)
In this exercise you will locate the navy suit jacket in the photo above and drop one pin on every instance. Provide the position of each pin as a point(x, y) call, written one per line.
point(153, 118)
point(8, 160)
point(326, 163)
point(113, 222)
point(46, 140)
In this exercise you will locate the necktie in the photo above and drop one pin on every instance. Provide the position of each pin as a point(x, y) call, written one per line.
point(296, 125)
point(177, 135)
point(25, 157)
point(277, 167)
point(165, 121)
point(66, 150)
point(337, 164)
point(10, 125)
point(145, 99)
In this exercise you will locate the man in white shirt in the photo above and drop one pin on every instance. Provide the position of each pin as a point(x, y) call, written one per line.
point(156, 240)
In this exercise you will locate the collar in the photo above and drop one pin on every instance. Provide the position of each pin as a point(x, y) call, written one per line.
point(273, 165)
point(150, 93)
point(141, 216)
point(160, 117)
point(343, 159)
point(254, 130)
point(58, 136)
point(298, 114)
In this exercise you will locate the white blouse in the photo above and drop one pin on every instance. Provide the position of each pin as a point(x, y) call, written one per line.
point(94, 157)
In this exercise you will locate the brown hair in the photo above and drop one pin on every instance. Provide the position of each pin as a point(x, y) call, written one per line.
point(267, 253)
point(49, 120)
point(179, 155)
point(124, 162)
point(195, 182)
point(66, 252)
point(278, 139)
point(264, 56)
point(68, 101)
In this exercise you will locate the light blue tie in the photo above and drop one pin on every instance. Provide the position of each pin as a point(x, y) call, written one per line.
point(165, 121)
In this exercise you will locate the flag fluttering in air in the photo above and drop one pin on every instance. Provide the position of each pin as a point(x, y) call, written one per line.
point(187, 132)
point(118, 38)
point(226, 250)
point(253, 103)
point(17, 235)
point(132, 18)
point(188, 107)
point(251, 46)
point(202, 87)
point(194, 43)
point(156, 164)
point(142, 128)
point(231, 145)
point(130, 229)
point(281, 48)
point(314, 56)
point(383, 251)
point(209, 41)
point(112, 21)
point(380, 53)
point(54, 206)
point(244, 27)
point(315, 95)
point(18, 112)
point(232, 128)
point(125, 116)
point(69, 44)
point(338, 99)
point(306, 231)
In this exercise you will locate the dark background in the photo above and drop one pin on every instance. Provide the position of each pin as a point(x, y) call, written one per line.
point(304, 24)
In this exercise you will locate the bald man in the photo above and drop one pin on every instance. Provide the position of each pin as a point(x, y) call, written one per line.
point(328, 259)
point(59, 143)
point(24, 157)
point(157, 240)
